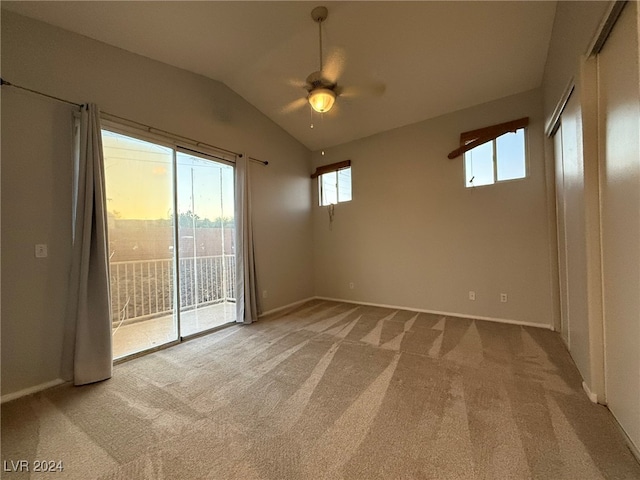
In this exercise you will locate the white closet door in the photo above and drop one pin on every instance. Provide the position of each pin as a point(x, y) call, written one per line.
point(619, 86)
point(562, 238)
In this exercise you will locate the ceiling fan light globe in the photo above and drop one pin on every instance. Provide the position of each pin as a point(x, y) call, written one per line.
point(322, 99)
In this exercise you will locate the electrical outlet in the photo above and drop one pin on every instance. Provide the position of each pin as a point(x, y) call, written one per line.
point(41, 250)
point(351, 285)
point(503, 297)
point(472, 295)
point(265, 294)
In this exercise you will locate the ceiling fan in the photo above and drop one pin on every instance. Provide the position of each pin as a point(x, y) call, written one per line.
point(322, 85)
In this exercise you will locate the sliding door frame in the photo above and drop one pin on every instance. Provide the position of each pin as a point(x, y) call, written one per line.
point(213, 158)
point(177, 146)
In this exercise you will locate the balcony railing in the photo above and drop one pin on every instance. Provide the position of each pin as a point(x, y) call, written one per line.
point(145, 289)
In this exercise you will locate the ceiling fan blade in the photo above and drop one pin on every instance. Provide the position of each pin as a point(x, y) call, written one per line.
point(334, 65)
point(371, 90)
point(296, 82)
point(293, 106)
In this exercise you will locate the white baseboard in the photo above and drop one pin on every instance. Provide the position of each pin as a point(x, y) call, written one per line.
point(446, 314)
point(291, 305)
point(28, 391)
point(592, 396)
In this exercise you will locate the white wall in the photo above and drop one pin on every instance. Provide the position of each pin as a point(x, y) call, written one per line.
point(414, 236)
point(36, 201)
point(36, 140)
point(574, 27)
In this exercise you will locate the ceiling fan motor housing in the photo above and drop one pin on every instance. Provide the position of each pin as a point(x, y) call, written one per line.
point(319, 14)
point(316, 80)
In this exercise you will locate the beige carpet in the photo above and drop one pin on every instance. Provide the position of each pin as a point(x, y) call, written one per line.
point(331, 391)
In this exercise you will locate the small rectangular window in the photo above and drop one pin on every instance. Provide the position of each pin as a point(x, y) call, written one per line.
point(335, 187)
point(334, 183)
point(498, 160)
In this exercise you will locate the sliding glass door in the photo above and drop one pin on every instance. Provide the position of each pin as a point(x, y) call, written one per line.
point(171, 242)
point(206, 235)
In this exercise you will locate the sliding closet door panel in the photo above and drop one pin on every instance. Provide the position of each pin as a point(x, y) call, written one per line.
point(619, 86)
point(139, 190)
point(573, 194)
point(562, 239)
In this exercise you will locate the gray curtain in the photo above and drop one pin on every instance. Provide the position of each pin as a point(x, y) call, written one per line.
point(247, 309)
point(89, 304)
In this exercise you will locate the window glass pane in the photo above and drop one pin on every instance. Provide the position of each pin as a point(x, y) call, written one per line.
point(511, 156)
point(344, 185)
point(328, 187)
point(142, 227)
point(206, 234)
point(139, 192)
point(478, 164)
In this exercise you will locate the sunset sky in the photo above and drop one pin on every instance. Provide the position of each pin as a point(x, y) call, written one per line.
point(139, 181)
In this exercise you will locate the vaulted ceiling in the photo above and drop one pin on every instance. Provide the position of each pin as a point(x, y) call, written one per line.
point(410, 60)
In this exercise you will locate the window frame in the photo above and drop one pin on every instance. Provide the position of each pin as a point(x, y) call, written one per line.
point(333, 169)
point(165, 139)
point(177, 147)
point(494, 159)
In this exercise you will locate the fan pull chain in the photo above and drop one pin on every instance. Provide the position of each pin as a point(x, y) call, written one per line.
point(331, 210)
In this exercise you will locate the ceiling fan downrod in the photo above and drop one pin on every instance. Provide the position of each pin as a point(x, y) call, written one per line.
point(319, 15)
point(321, 91)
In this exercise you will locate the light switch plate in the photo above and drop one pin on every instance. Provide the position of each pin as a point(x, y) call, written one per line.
point(41, 250)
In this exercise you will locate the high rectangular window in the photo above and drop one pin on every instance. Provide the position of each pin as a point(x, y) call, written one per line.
point(334, 183)
point(335, 187)
point(501, 159)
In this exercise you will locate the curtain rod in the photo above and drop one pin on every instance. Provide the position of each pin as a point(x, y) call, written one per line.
point(147, 127)
point(182, 147)
point(4, 82)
